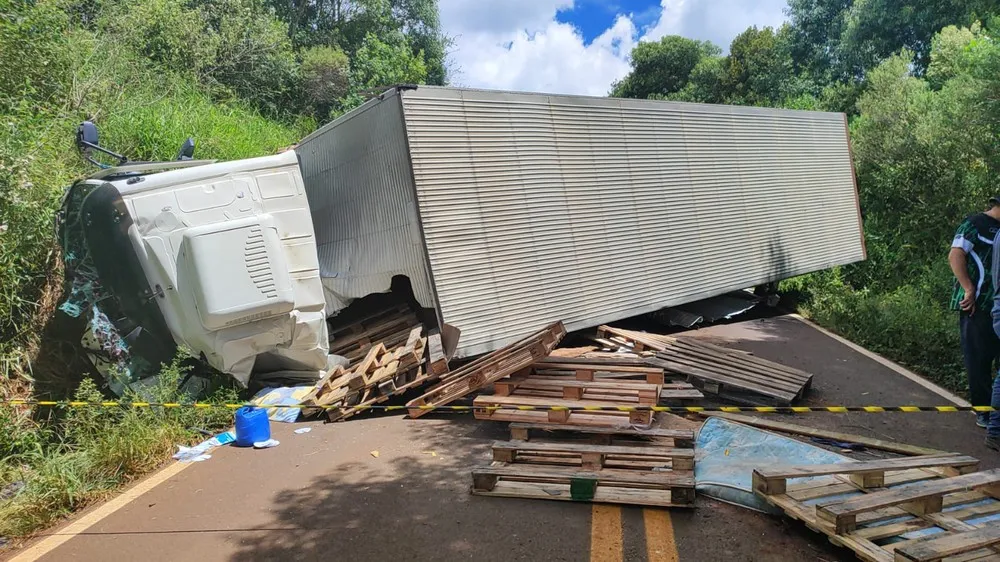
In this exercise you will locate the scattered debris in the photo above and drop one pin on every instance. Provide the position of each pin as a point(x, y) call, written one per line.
point(870, 442)
point(11, 490)
point(302, 430)
point(917, 508)
point(374, 454)
point(730, 374)
point(282, 395)
point(649, 471)
point(266, 444)
point(200, 451)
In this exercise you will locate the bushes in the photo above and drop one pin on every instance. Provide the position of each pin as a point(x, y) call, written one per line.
point(907, 324)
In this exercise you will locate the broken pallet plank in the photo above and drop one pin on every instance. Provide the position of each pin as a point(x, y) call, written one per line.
point(938, 548)
point(918, 498)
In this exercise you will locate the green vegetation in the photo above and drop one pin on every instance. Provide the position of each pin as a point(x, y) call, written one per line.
point(244, 78)
point(52, 466)
point(919, 83)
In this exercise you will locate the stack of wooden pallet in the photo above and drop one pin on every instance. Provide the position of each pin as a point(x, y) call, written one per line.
point(630, 466)
point(382, 373)
point(389, 326)
point(730, 374)
point(488, 369)
point(924, 508)
point(562, 388)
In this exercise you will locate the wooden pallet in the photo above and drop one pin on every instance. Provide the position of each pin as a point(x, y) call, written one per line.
point(592, 369)
point(517, 408)
point(390, 326)
point(875, 507)
point(639, 474)
point(622, 392)
point(679, 438)
point(730, 374)
point(488, 369)
point(383, 373)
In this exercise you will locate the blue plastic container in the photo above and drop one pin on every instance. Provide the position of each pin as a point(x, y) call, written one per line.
point(252, 426)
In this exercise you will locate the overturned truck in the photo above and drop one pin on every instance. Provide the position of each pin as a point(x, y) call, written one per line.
point(508, 210)
point(505, 211)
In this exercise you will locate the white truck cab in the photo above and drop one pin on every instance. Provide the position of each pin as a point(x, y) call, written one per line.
point(226, 251)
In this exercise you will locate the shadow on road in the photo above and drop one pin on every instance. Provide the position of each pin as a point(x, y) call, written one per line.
point(413, 502)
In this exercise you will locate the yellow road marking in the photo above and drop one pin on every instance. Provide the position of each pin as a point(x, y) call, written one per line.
point(56, 540)
point(660, 544)
point(606, 533)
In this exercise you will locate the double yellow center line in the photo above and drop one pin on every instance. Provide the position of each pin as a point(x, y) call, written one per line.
point(606, 535)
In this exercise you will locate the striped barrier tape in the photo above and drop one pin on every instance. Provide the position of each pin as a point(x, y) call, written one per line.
point(673, 409)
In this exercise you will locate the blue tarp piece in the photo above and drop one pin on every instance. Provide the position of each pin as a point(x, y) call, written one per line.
point(726, 454)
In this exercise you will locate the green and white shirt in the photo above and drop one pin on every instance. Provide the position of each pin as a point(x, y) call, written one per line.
point(975, 235)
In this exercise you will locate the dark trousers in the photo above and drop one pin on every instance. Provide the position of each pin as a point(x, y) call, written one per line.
point(980, 347)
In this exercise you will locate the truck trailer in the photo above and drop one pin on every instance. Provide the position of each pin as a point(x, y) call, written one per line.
point(507, 210)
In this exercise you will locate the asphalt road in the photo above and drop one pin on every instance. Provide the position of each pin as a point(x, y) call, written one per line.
point(387, 487)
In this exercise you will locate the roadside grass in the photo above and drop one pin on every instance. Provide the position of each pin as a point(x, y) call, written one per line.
point(52, 467)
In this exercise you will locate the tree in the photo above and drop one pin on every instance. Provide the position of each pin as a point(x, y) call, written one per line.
point(346, 23)
point(875, 29)
point(663, 67)
point(758, 70)
point(326, 77)
point(816, 27)
point(253, 59)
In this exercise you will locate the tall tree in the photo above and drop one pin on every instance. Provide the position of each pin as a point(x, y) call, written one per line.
point(662, 68)
point(816, 27)
point(875, 29)
point(758, 70)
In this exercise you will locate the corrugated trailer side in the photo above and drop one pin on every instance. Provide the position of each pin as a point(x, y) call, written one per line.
point(359, 183)
point(536, 208)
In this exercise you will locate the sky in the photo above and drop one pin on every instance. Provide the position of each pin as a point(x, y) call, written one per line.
point(580, 46)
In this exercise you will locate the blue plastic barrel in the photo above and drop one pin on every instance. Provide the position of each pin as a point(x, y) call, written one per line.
point(252, 426)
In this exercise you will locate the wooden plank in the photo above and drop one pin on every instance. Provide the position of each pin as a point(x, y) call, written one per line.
point(743, 356)
point(866, 474)
point(602, 494)
point(576, 448)
point(629, 366)
point(438, 362)
point(735, 372)
point(705, 379)
point(934, 549)
point(646, 479)
point(765, 423)
point(682, 437)
point(919, 498)
point(611, 420)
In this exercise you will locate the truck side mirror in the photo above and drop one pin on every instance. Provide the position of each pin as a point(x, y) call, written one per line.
point(187, 150)
point(86, 137)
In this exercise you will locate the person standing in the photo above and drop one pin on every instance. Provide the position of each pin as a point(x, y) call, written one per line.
point(971, 259)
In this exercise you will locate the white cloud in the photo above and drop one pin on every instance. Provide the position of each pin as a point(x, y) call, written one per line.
point(718, 21)
point(519, 45)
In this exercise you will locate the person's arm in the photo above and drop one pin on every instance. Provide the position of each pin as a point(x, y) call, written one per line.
point(957, 256)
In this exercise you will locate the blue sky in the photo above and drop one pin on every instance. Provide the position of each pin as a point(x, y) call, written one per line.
point(580, 46)
point(592, 17)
